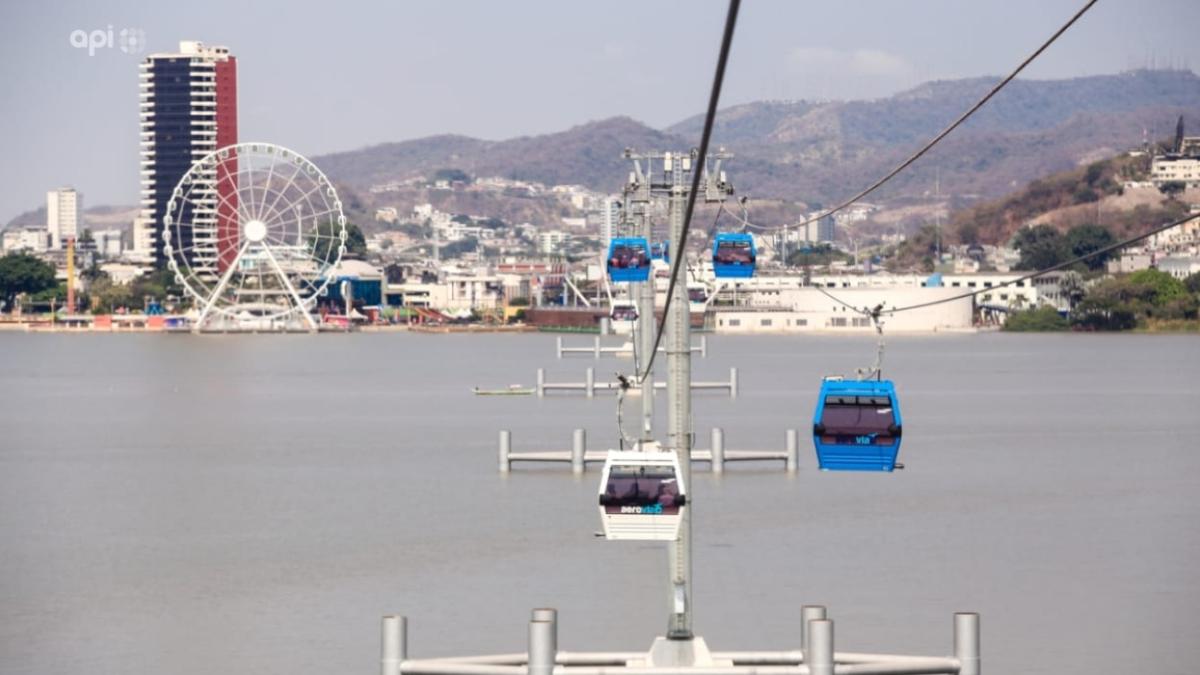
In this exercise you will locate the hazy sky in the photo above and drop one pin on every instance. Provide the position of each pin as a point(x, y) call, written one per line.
point(326, 76)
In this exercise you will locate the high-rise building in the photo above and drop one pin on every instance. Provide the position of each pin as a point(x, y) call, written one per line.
point(64, 215)
point(610, 216)
point(189, 109)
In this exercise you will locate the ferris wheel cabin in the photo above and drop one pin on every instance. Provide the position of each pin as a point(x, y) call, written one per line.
point(628, 259)
point(734, 255)
point(642, 496)
point(857, 425)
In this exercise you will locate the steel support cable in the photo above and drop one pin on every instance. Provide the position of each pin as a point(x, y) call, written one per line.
point(956, 123)
point(709, 119)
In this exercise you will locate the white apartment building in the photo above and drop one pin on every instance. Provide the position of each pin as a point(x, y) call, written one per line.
point(34, 240)
point(1184, 170)
point(64, 215)
point(108, 243)
point(550, 241)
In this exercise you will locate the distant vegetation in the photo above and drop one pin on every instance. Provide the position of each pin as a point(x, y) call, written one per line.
point(1038, 319)
point(1147, 299)
point(1138, 300)
point(1043, 246)
point(23, 273)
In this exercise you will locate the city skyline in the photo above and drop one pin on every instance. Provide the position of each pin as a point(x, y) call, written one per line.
point(494, 73)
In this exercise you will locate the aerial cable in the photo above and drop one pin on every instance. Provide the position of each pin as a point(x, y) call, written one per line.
point(956, 123)
point(623, 385)
point(710, 117)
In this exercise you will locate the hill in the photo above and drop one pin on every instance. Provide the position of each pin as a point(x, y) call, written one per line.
point(822, 151)
point(588, 154)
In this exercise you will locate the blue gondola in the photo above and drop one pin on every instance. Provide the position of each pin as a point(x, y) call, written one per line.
point(629, 259)
point(661, 251)
point(857, 425)
point(734, 256)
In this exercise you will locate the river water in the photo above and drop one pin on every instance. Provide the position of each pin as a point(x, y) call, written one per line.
point(254, 504)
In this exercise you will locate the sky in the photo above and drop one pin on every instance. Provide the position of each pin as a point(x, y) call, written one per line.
point(327, 76)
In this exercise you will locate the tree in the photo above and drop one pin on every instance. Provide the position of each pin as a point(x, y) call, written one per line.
point(356, 245)
point(1038, 319)
point(23, 273)
point(1162, 287)
point(1084, 239)
point(1172, 188)
point(1041, 246)
point(452, 175)
point(1192, 283)
point(456, 248)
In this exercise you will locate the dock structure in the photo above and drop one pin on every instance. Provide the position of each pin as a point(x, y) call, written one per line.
point(597, 350)
point(590, 386)
point(716, 455)
point(815, 656)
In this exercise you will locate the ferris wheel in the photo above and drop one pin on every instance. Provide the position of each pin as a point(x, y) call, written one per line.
point(251, 232)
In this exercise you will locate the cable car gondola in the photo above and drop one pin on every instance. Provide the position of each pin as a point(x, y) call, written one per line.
point(661, 250)
point(857, 425)
point(733, 255)
point(629, 259)
point(623, 310)
point(642, 496)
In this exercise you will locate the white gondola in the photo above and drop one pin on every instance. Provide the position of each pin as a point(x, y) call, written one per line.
point(624, 316)
point(642, 496)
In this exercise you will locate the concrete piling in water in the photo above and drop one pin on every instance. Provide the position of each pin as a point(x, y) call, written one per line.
point(558, 346)
point(395, 644)
point(703, 346)
point(733, 383)
point(966, 643)
point(793, 450)
point(590, 382)
point(541, 382)
point(543, 641)
point(578, 451)
point(819, 655)
point(596, 348)
point(505, 450)
point(718, 450)
point(809, 613)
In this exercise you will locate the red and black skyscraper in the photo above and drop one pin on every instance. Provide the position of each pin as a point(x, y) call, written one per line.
point(189, 109)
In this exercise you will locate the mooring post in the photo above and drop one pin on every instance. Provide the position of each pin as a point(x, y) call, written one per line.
point(809, 613)
point(793, 451)
point(966, 643)
point(395, 644)
point(541, 382)
point(590, 383)
point(505, 449)
point(578, 451)
point(819, 656)
point(718, 450)
point(733, 383)
point(558, 349)
point(543, 642)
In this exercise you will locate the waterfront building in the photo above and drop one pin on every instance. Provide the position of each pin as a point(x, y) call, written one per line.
point(189, 109)
point(64, 215)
